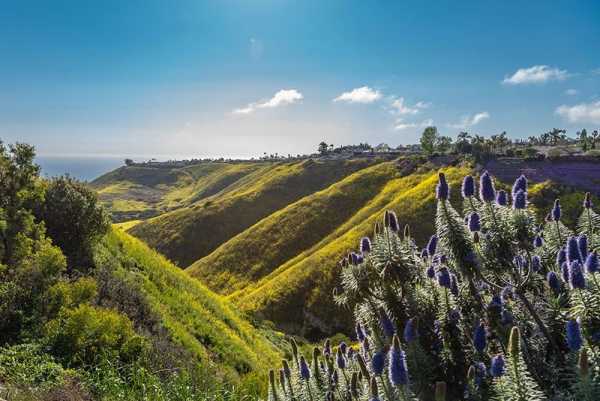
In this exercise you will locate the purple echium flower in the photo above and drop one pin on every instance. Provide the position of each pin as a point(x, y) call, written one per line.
point(432, 245)
point(574, 338)
point(453, 316)
point(343, 347)
point(468, 187)
point(497, 366)
point(474, 222)
point(391, 221)
point(573, 254)
point(304, 369)
point(553, 282)
point(441, 190)
point(520, 200)
point(443, 277)
point(556, 212)
point(576, 277)
point(424, 253)
point(387, 326)
point(479, 337)
point(519, 185)
point(506, 293)
point(327, 348)
point(340, 359)
point(453, 285)
point(480, 372)
point(430, 271)
point(365, 245)
point(398, 372)
point(536, 263)
point(502, 198)
point(410, 330)
point(564, 272)
point(538, 241)
point(587, 201)
point(378, 363)
point(591, 262)
point(487, 192)
point(360, 334)
point(583, 246)
point(561, 257)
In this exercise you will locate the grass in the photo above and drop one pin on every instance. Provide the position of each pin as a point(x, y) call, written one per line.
point(297, 295)
point(272, 241)
point(188, 234)
point(197, 319)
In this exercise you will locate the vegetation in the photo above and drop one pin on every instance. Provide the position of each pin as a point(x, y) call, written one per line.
point(187, 234)
point(87, 312)
point(496, 306)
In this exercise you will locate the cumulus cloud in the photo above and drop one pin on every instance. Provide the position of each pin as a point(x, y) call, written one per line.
point(364, 94)
point(536, 75)
point(400, 107)
point(580, 113)
point(281, 98)
point(401, 125)
point(469, 121)
point(571, 92)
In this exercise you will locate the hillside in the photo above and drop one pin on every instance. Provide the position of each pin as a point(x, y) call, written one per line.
point(132, 192)
point(190, 233)
point(195, 318)
point(274, 253)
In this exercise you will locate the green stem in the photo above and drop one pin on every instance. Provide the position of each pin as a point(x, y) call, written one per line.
point(560, 241)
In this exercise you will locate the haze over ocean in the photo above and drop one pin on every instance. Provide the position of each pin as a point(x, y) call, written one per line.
point(82, 168)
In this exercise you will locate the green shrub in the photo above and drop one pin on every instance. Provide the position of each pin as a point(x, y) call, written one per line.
point(29, 365)
point(80, 335)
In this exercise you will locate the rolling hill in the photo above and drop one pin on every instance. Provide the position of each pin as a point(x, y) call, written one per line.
point(270, 242)
point(197, 320)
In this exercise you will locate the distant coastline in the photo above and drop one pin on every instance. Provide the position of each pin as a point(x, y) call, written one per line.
point(82, 168)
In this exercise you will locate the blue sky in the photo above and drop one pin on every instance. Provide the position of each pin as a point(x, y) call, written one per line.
point(239, 78)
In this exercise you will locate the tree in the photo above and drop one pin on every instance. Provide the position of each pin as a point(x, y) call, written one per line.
point(128, 162)
point(323, 148)
point(74, 220)
point(443, 144)
point(463, 143)
point(429, 139)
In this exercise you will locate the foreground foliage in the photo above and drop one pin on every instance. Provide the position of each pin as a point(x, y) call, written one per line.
point(90, 313)
point(496, 306)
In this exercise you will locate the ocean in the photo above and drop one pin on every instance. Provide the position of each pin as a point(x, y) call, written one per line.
point(82, 168)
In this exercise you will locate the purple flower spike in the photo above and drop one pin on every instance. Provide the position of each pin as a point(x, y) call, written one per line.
point(365, 245)
point(474, 222)
point(538, 241)
point(443, 277)
point(556, 212)
point(502, 198)
point(430, 271)
point(432, 245)
point(574, 338)
point(576, 277)
point(410, 331)
point(468, 187)
point(520, 200)
point(519, 185)
point(479, 338)
point(378, 363)
point(497, 366)
point(487, 192)
point(398, 373)
point(587, 202)
point(442, 191)
point(591, 263)
point(573, 253)
point(553, 282)
point(583, 246)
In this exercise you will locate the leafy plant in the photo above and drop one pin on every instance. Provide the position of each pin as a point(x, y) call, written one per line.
point(496, 306)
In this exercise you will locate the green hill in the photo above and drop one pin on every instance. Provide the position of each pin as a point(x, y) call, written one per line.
point(281, 236)
point(190, 233)
point(133, 192)
point(195, 318)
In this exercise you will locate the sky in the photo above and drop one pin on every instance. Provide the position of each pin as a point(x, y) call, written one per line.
point(175, 79)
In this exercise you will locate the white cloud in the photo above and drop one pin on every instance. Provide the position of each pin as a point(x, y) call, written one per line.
point(580, 113)
point(364, 94)
point(571, 92)
point(281, 98)
point(536, 75)
point(469, 121)
point(401, 125)
point(423, 105)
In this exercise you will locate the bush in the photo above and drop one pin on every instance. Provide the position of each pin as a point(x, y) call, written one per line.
point(479, 313)
point(74, 220)
point(80, 336)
